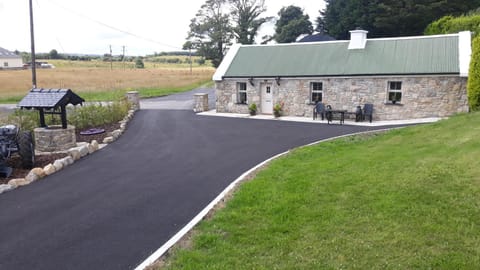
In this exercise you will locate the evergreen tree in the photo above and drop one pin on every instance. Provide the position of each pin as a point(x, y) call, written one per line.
point(291, 24)
point(385, 18)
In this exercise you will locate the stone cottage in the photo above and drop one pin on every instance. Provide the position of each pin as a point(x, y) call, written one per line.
point(404, 78)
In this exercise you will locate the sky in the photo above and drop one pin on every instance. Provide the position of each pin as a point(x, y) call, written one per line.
point(92, 26)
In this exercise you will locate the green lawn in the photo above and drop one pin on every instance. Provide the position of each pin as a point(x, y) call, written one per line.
point(406, 199)
point(143, 92)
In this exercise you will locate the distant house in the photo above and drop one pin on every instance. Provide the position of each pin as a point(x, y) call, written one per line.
point(316, 38)
point(9, 60)
point(404, 78)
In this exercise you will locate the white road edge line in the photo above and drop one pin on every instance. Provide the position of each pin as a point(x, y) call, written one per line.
point(159, 252)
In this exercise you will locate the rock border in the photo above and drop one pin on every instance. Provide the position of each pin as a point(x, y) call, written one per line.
point(81, 150)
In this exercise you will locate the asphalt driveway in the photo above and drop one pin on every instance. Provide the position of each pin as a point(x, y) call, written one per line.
point(111, 210)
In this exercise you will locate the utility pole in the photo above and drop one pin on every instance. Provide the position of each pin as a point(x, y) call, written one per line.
point(111, 56)
point(32, 41)
point(190, 57)
point(123, 57)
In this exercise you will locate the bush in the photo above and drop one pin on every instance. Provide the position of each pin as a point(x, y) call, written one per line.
point(25, 120)
point(473, 86)
point(98, 114)
point(449, 25)
point(83, 117)
point(139, 63)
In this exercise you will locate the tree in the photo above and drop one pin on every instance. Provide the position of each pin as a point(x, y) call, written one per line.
point(291, 24)
point(53, 54)
point(139, 63)
point(245, 14)
point(387, 18)
point(210, 31)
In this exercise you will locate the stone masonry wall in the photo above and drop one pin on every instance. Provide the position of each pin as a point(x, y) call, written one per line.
point(422, 97)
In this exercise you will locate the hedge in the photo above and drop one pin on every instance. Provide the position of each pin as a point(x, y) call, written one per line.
point(473, 86)
point(449, 25)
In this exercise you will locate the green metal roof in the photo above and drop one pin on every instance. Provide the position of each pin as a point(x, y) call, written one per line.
point(421, 55)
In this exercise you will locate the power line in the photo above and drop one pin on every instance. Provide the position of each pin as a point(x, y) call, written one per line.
point(113, 27)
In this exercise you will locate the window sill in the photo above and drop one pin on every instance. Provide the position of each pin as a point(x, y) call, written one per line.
point(241, 104)
point(391, 104)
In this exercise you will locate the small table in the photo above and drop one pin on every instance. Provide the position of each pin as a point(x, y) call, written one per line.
point(329, 114)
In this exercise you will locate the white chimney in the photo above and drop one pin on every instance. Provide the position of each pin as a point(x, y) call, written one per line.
point(358, 39)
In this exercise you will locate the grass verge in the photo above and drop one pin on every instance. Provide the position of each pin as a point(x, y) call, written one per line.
point(408, 199)
point(115, 95)
point(144, 92)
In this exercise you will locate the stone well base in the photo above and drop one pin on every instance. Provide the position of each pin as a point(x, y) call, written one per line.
point(54, 138)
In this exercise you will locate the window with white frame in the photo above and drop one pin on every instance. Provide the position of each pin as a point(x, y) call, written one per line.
point(242, 93)
point(316, 89)
point(5, 64)
point(394, 92)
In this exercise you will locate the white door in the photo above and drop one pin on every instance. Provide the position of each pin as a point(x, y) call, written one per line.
point(267, 99)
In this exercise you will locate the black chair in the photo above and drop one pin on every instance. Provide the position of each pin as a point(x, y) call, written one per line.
point(358, 114)
point(329, 114)
point(368, 111)
point(319, 109)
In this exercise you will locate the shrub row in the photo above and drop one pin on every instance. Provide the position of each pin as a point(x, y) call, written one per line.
point(450, 24)
point(82, 117)
point(471, 22)
point(473, 87)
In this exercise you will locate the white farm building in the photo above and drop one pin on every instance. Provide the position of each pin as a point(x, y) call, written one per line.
point(9, 60)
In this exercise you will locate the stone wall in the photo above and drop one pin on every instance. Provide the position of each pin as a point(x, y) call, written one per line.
point(422, 97)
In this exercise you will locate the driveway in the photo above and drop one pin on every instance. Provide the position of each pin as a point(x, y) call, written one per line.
point(112, 209)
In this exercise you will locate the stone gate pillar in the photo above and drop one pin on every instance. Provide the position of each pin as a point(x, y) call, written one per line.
point(200, 102)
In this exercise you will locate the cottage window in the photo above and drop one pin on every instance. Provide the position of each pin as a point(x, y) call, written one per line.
point(317, 92)
point(242, 93)
point(394, 92)
point(5, 64)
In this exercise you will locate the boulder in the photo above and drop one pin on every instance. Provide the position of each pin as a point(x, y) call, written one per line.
point(83, 150)
point(5, 188)
point(116, 133)
point(74, 153)
point(68, 160)
point(35, 174)
point(18, 182)
point(49, 169)
point(108, 140)
point(58, 164)
point(39, 172)
point(80, 144)
point(95, 145)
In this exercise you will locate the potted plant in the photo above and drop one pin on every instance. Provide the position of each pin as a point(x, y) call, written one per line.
point(253, 109)
point(277, 109)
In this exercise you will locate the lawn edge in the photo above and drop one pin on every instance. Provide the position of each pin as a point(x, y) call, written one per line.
point(211, 207)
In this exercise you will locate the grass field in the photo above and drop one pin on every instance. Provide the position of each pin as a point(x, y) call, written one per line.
point(95, 81)
point(407, 199)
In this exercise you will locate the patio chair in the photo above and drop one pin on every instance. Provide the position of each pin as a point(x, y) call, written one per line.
point(319, 109)
point(329, 114)
point(368, 111)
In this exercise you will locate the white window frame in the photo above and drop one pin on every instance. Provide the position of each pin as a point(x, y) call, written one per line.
point(241, 89)
point(394, 88)
point(5, 64)
point(317, 91)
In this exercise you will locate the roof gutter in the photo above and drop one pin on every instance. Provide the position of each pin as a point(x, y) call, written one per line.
point(342, 75)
